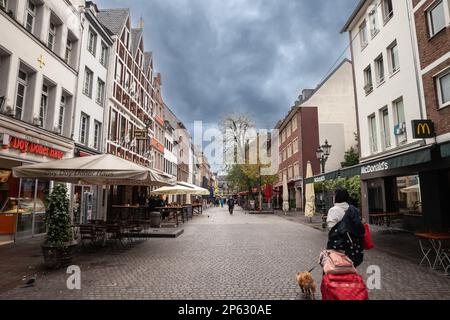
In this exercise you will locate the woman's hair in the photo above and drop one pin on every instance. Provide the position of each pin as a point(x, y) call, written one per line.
point(341, 195)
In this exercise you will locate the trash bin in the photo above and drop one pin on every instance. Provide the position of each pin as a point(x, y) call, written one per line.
point(155, 220)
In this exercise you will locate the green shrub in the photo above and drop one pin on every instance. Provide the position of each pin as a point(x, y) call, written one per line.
point(58, 220)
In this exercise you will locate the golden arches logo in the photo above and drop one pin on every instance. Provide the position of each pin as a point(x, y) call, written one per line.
point(423, 128)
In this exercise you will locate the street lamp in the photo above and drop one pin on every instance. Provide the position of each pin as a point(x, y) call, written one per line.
point(322, 153)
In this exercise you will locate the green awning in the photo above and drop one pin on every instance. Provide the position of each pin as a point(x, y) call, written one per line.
point(445, 150)
point(396, 162)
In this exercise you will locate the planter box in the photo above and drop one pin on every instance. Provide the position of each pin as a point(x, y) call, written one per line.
point(56, 258)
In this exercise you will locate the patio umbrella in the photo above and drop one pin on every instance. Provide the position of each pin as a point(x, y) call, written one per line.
point(174, 190)
point(105, 169)
point(310, 208)
point(285, 195)
point(198, 190)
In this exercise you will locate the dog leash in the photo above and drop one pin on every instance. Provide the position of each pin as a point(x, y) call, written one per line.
point(314, 268)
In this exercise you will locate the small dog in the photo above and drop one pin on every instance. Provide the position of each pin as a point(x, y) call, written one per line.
point(306, 283)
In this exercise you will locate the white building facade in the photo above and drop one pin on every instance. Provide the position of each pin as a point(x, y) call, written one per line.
point(38, 92)
point(335, 102)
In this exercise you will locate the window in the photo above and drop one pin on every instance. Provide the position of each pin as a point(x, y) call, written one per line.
point(388, 10)
point(119, 68)
point(296, 170)
point(68, 53)
point(294, 123)
point(289, 151)
point(92, 42)
point(30, 16)
point(87, 86)
point(43, 106)
point(400, 121)
point(104, 55)
point(51, 36)
point(386, 128)
point(113, 126)
point(3, 4)
point(368, 84)
point(379, 65)
point(97, 134)
point(373, 18)
point(443, 86)
point(394, 60)
point(84, 128)
point(62, 110)
point(100, 91)
point(373, 134)
point(21, 94)
point(363, 34)
point(436, 18)
point(295, 146)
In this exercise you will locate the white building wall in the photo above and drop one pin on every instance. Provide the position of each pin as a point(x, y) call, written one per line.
point(400, 84)
point(335, 101)
point(88, 105)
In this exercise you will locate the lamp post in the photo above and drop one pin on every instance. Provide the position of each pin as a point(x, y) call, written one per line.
point(322, 153)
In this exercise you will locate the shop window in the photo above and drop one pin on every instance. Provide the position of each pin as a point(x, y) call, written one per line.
point(409, 195)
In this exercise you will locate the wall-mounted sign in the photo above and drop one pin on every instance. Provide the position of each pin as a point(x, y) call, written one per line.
point(30, 147)
point(423, 129)
point(382, 166)
point(140, 134)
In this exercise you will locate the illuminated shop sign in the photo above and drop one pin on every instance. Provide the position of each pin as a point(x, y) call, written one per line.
point(30, 147)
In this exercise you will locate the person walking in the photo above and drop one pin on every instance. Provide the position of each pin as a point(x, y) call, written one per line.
point(346, 230)
point(231, 205)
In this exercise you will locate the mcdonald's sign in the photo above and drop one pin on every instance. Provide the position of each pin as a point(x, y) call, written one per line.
point(423, 129)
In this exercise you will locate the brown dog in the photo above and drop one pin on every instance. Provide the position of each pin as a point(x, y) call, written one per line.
point(306, 283)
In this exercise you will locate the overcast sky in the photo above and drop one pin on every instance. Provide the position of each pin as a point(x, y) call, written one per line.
point(244, 56)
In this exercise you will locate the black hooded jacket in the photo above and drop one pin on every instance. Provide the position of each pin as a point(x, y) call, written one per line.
point(348, 236)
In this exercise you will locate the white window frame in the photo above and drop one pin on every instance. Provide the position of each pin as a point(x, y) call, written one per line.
point(373, 139)
point(391, 56)
point(433, 6)
point(43, 108)
point(84, 138)
point(87, 84)
point(99, 97)
point(61, 114)
point(373, 21)
point(97, 134)
point(68, 53)
point(32, 13)
point(387, 16)
point(51, 34)
point(4, 4)
point(24, 83)
point(378, 67)
point(386, 128)
point(92, 42)
point(438, 78)
point(104, 54)
point(368, 80)
point(363, 35)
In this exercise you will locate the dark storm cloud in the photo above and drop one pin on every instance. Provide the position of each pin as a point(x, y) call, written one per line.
point(248, 56)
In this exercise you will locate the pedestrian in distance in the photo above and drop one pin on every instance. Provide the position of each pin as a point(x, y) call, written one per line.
point(231, 205)
point(346, 230)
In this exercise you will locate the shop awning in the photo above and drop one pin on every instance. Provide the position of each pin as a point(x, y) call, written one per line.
point(408, 159)
point(445, 150)
point(105, 169)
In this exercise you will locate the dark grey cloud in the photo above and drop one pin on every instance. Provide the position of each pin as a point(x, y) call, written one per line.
point(246, 56)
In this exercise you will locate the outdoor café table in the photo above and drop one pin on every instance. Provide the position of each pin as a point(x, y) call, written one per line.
point(168, 210)
point(435, 239)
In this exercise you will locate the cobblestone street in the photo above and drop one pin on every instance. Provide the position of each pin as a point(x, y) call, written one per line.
point(226, 257)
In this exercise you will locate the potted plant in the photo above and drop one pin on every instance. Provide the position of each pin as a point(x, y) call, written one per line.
point(59, 246)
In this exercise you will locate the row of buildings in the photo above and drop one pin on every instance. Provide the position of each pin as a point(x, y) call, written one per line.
point(75, 81)
point(394, 97)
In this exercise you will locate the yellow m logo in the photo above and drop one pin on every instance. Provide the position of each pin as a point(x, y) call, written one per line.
point(423, 128)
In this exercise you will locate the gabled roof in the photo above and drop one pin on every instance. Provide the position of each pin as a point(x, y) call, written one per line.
point(113, 19)
point(136, 36)
point(353, 16)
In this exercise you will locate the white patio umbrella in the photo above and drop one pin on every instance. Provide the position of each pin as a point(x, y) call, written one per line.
point(173, 190)
point(198, 190)
point(105, 169)
point(285, 195)
point(310, 207)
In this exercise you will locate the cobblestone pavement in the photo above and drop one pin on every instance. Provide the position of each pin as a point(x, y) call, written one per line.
point(226, 257)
